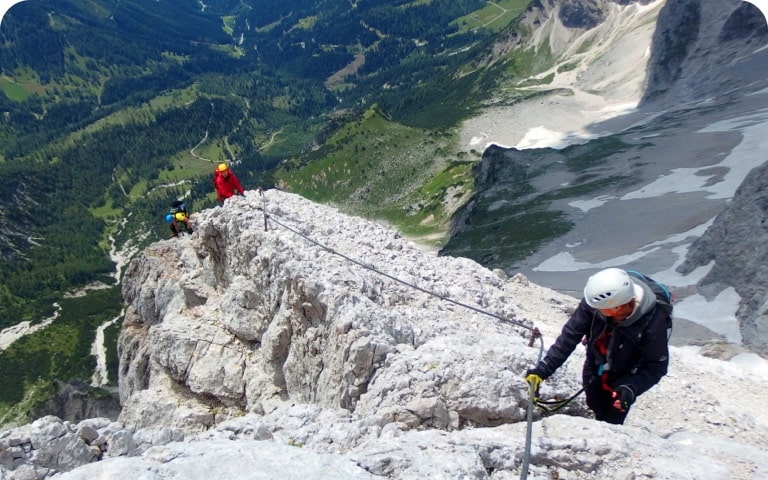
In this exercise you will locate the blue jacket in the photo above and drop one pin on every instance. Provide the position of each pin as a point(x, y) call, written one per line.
point(637, 356)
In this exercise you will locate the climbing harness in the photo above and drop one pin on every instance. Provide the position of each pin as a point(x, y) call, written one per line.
point(535, 333)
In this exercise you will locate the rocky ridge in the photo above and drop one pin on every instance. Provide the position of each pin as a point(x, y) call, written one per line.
point(292, 323)
point(333, 334)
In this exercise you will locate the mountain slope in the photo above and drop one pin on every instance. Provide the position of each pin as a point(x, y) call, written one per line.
point(114, 130)
point(735, 243)
point(251, 352)
point(649, 185)
point(181, 87)
point(113, 110)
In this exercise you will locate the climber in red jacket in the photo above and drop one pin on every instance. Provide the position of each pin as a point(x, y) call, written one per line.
point(226, 183)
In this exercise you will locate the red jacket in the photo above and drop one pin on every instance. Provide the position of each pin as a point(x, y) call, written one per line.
point(226, 186)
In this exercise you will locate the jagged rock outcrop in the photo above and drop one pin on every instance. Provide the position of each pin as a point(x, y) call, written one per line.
point(245, 320)
point(50, 445)
point(704, 48)
point(737, 243)
point(582, 13)
point(502, 173)
point(15, 220)
point(76, 401)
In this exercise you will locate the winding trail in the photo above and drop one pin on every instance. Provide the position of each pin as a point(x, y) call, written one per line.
point(271, 139)
point(192, 151)
point(100, 375)
point(9, 335)
point(120, 258)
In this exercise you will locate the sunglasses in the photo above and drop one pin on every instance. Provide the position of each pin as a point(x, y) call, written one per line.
point(618, 311)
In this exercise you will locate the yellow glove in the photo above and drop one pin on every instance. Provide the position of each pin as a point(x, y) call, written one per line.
point(534, 380)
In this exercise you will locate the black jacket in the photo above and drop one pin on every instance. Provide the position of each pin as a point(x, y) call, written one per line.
point(637, 355)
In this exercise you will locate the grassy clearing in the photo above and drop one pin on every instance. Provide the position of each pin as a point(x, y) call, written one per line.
point(229, 24)
point(13, 90)
point(307, 23)
point(212, 150)
point(495, 16)
point(25, 79)
point(409, 177)
point(288, 140)
point(144, 113)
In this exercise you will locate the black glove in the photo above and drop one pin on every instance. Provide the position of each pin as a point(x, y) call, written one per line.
point(534, 377)
point(623, 398)
point(534, 371)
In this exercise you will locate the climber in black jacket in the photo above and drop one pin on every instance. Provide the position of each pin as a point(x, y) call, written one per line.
point(625, 334)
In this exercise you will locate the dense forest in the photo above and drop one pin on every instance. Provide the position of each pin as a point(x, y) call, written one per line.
point(110, 111)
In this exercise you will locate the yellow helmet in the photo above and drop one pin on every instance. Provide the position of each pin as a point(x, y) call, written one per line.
point(222, 167)
point(180, 216)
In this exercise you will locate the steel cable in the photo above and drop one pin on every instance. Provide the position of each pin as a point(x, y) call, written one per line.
point(536, 334)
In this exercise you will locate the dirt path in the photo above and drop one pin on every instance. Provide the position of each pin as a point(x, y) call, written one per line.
point(9, 335)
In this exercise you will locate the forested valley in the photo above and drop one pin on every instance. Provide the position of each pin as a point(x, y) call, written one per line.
point(110, 111)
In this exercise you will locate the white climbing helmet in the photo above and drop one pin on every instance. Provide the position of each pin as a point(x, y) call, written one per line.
point(609, 288)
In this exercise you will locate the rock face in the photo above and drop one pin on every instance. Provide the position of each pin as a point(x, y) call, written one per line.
point(581, 13)
point(77, 401)
point(587, 14)
point(246, 320)
point(705, 48)
point(378, 359)
point(737, 242)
